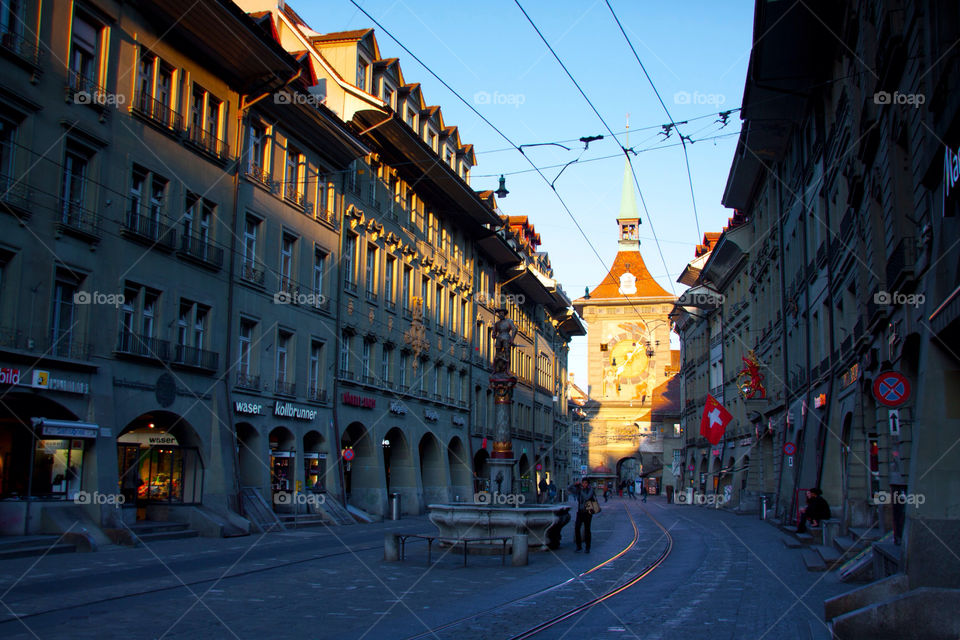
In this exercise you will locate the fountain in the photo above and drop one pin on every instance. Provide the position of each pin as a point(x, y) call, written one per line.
point(502, 512)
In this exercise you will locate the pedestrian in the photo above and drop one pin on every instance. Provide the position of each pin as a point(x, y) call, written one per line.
point(817, 510)
point(607, 491)
point(552, 491)
point(632, 490)
point(643, 493)
point(620, 488)
point(584, 493)
point(543, 490)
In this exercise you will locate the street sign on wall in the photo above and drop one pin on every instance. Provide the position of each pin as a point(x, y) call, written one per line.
point(891, 388)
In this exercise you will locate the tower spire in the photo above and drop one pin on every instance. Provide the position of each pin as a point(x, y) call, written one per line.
point(629, 219)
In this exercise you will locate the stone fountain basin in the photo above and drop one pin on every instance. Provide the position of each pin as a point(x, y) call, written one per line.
point(465, 520)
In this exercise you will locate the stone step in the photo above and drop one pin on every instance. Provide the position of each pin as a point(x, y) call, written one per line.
point(866, 534)
point(812, 560)
point(790, 542)
point(147, 527)
point(18, 542)
point(829, 555)
point(29, 551)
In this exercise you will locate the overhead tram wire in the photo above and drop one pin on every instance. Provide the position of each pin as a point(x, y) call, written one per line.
point(495, 128)
point(626, 151)
point(673, 123)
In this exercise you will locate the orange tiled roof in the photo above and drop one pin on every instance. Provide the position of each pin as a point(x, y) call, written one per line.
point(647, 287)
point(356, 34)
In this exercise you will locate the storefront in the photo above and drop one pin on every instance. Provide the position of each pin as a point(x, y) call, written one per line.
point(154, 467)
point(315, 471)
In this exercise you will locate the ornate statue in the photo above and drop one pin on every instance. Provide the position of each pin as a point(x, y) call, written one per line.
point(500, 482)
point(502, 382)
point(504, 331)
point(749, 379)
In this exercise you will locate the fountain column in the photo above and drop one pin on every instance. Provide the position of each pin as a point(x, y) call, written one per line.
point(502, 382)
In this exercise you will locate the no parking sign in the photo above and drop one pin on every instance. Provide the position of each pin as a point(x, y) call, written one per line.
point(891, 388)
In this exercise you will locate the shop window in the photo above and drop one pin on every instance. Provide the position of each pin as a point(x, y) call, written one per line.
point(57, 468)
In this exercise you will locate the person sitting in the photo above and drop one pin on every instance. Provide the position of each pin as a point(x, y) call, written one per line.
point(816, 511)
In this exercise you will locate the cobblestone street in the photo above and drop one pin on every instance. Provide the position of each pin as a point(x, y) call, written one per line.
point(726, 577)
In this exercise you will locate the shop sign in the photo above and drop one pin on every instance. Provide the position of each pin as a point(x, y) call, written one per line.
point(951, 171)
point(65, 429)
point(820, 401)
point(746, 442)
point(850, 376)
point(355, 400)
point(398, 408)
point(715, 453)
point(155, 439)
point(9, 375)
point(248, 408)
point(458, 421)
point(431, 415)
point(283, 454)
point(42, 380)
point(289, 410)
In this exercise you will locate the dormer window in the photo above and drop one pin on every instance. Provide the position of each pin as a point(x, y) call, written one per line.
point(411, 117)
point(432, 140)
point(362, 73)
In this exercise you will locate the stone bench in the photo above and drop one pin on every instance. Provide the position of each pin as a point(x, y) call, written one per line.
point(395, 546)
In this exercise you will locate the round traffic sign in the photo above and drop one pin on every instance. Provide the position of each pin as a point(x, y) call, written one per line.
point(891, 389)
point(789, 448)
point(348, 454)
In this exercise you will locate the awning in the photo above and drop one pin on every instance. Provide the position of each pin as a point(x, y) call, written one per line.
point(65, 428)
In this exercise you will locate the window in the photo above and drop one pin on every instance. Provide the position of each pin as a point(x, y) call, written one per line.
point(155, 97)
point(371, 270)
point(11, 17)
point(365, 364)
point(345, 355)
point(286, 262)
point(74, 186)
point(63, 318)
point(449, 384)
point(251, 230)
point(438, 307)
point(432, 140)
point(319, 266)
point(84, 58)
point(144, 215)
point(404, 363)
point(385, 357)
point(362, 73)
point(191, 333)
point(411, 117)
point(349, 255)
point(196, 219)
point(245, 351)
point(425, 294)
point(284, 339)
point(293, 175)
point(436, 379)
point(407, 284)
point(257, 152)
point(8, 132)
point(388, 271)
point(148, 325)
point(205, 120)
point(315, 372)
point(452, 313)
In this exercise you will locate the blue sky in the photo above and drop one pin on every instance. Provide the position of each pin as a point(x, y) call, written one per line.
point(695, 52)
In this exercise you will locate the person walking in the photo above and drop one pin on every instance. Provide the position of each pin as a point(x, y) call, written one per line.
point(643, 492)
point(552, 491)
point(542, 497)
point(632, 490)
point(583, 492)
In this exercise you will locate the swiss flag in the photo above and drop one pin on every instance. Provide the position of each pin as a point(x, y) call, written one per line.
point(714, 421)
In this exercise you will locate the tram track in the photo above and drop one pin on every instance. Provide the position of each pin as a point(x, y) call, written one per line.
point(569, 613)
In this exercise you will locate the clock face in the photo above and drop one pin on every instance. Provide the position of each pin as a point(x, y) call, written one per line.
point(626, 368)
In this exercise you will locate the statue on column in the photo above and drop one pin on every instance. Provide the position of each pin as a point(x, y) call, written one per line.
point(502, 382)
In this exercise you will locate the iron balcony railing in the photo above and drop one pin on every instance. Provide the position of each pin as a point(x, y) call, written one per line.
point(151, 230)
point(23, 48)
point(134, 344)
point(316, 394)
point(201, 249)
point(252, 272)
point(75, 217)
point(195, 357)
point(246, 380)
point(15, 193)
point(157, 112)
point(282, 387)
point(208, 143)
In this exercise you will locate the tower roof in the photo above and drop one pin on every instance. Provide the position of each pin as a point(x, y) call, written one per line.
point(616, 286)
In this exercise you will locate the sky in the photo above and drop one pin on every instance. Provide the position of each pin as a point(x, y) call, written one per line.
point(695, 52)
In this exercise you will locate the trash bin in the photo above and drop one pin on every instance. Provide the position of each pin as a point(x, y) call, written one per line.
point(394, 506)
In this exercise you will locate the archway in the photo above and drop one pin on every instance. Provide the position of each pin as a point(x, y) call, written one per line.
point(363, 482)
point(57, 469)
point(399, 470)
point(481, 474)
point(316, 474)
point(158, 456)
point(433, 471)
point(459, 468)
point(715, 467)
point(523, 467)
point(283, 470)
point(253, 470)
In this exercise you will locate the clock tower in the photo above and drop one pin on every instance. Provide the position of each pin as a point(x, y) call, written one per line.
point(629, 358)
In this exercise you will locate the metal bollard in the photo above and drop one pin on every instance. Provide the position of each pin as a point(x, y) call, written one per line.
point(395, 506)
point(763, 507)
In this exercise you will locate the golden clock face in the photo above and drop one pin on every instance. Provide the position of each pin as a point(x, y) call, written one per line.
point(627, 365)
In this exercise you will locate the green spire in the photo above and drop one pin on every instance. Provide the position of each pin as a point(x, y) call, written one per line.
point(628, 197)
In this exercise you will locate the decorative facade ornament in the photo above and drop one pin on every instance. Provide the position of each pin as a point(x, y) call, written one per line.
point(749, 379)
point(415, 336)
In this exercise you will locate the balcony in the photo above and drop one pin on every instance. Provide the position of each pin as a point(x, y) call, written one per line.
point(83, 90)
point(293, 195)
point(15, 196)
point(316, 395)
point(371, 295)
point(133, 344)
point(370, 380)
point(79, 221)
point(208, 143)
point(149, 231)
point(346, 374)
point(900, 265)
point(245, 380)
point(201, 251)
point(259, 174)
point(157, 113)
point(283, 388)
point(22, 49)
point(57, 344)
point(197, 358)
point(350, 286)
point(252, 273)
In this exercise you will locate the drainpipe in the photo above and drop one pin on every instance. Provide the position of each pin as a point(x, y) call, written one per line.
point(832, 336)
point(337, 346)
point(783, 345)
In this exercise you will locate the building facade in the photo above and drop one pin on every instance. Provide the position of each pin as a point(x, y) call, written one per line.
point(840, 272)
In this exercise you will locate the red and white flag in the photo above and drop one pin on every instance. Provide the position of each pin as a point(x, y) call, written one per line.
point(714, 421)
